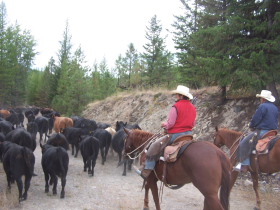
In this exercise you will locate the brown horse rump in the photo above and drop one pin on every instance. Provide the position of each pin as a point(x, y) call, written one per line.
point(273, 142)
point(176, 149)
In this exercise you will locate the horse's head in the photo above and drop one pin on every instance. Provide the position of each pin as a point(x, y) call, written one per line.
point(219, 141)
point(136, 140)
point(128, 143)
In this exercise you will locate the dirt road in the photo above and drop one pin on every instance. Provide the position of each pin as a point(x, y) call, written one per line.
point(109, 190)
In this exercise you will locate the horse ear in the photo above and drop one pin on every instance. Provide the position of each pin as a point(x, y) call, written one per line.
point(216, 128)
point(127, 131)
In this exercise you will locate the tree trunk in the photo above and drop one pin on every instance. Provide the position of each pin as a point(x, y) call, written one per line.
point(272, 87)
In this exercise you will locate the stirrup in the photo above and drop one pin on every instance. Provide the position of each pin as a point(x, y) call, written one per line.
point(138, 171)
point(237, 167)
point(263, 152)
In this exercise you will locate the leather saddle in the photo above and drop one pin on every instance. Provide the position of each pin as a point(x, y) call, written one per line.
point(267, 142)
point(173, 151)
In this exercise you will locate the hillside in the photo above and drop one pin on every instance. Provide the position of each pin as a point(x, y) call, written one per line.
point(149, 109)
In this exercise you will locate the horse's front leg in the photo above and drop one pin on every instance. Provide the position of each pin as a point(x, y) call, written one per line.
point(152, 182)
point(255, 179)
point(146, 199)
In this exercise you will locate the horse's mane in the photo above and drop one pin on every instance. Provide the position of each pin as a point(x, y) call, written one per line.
point(141, 135)
point(230, 134)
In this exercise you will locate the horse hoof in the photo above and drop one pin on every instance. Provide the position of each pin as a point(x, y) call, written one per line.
point(257, 208)
point(146, 208)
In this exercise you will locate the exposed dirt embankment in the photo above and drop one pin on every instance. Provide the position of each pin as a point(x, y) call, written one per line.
point(149, 109)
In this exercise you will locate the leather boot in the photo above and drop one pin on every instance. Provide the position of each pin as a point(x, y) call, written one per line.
point(145, 173)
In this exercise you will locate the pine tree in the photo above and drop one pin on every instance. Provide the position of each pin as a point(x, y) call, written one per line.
point(16, 56)
point(156, 57)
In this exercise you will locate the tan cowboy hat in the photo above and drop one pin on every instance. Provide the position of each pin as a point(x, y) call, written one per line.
point(266, 94)
point(183, 90)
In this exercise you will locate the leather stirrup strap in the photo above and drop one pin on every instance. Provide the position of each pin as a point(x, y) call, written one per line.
point(164, 174)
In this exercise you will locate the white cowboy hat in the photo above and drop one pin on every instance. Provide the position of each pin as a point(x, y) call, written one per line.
point(266, 94)
point(183, 90)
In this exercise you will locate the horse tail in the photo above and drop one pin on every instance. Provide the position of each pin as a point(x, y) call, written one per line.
point(225, 182)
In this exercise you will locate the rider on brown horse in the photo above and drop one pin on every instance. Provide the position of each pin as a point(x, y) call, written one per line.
point(265, 119)
point(181, 120)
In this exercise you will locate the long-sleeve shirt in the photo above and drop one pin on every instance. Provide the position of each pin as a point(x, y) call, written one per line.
point(172, 116)
point(265, 117)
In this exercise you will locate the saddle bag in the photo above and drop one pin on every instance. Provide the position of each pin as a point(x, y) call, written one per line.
point(263, 143)
point(171, 152)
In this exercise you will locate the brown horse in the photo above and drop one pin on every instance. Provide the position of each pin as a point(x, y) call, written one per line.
point(265, 163)
point(202, 163)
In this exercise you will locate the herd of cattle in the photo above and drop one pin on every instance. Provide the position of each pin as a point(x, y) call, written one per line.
point(18, 143)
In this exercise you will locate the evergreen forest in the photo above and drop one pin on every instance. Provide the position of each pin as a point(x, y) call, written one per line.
point(233, 44)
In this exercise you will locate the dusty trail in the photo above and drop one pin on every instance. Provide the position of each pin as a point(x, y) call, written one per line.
point(108, 189)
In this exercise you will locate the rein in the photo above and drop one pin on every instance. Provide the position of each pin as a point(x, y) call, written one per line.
point(151, 139)
point(237, 140)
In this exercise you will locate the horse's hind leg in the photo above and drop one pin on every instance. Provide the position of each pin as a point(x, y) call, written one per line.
point(255, 179)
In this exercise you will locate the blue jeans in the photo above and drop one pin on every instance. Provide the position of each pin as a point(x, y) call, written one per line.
point(246, 162)
point(150, 164)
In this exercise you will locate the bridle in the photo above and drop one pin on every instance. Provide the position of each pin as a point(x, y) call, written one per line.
point(234, 143)
point(148, 141)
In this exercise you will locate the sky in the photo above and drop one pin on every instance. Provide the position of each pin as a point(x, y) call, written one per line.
point(103, 29)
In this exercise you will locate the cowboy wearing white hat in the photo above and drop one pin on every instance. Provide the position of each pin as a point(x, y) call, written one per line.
point(266, 94)
point(265, 119)
point(181, 120)
point(183, 90)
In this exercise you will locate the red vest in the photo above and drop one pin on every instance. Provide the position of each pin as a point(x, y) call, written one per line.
point(186, 115)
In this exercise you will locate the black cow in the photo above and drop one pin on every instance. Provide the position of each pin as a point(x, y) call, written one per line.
point(35, 110)
point(20, 116)
point(104, 138)
point(13, 118)
point(45, 111)
point(32, 128)
point(55, 161)
point(2, 137)
point(121, 124)
point(21, 137)
point(103, 125)
point(118, 146)
point(89, 147)
point(31, 118)
point(6, 127)
point(58, 139)
point(50, 118)
point(28, 112)
point(88, 125)
point(18, 161)
point(43, 126)
point(74, 137)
